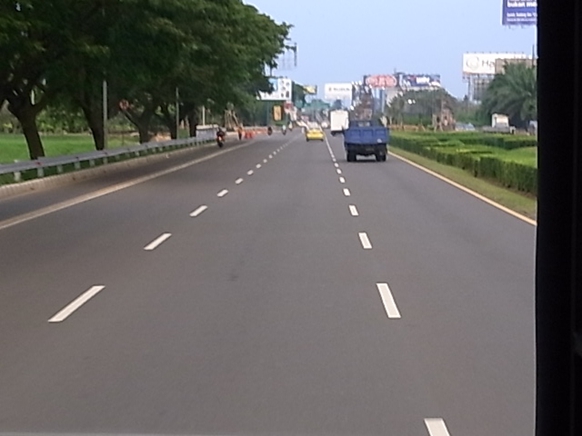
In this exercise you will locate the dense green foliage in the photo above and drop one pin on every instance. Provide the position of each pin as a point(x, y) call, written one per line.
point(418, 107)
point(513, 93)
point(511, 166)
point(57, 53)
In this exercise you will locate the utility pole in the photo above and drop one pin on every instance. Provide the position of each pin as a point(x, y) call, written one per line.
point(177, 114)
point(105, 114)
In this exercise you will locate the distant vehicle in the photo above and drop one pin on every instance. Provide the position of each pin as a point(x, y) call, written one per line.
point(314, 133)
point(499, 124)
point(366, 138)
point(324, 125)
point(463, 127)
point(339, 121)
point(499, 120)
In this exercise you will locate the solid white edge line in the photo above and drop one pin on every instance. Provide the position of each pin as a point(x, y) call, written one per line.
point(222, 193)
point(75, 304)
point(250, 172)
point(157, 242)
point(365, 240)
point(342, 180)
point(199, 211)
point(239, 181)
point(347, 192)
point(436, 427)
point(468, 191)
point(120, 186)
point(354, 210)
point(111, 189)
point(388, 301)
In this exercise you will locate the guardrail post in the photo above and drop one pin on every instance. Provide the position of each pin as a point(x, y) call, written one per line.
point(91, 163)
point(105, 160)
point(17, 176)
point(40, 172)
point(59, 169)
point(77, 165)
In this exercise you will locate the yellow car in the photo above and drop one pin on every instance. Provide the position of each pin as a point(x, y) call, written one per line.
point(314, 134)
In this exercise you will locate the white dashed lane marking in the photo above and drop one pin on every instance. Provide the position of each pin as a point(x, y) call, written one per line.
point(157, 242)
point(74, 305)
point(250, 172)
point(199, 211)
point(354, 210)
point(347, 192)
point(436, 427)
point(259, 166)
point(366, 244)
point(239, 181)
point(342, 180)
point(222, 193)
point(388, 300)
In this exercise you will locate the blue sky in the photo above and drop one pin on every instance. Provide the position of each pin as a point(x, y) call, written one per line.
point(341, 40)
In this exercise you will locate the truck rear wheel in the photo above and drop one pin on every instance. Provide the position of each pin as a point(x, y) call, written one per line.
point(379, 157)
point(351, 157)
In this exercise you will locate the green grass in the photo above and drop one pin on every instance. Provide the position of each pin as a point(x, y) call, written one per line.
point(516, 201)
point(13, 146)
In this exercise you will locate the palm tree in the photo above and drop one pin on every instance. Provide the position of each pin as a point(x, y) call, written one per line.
point(513, 93)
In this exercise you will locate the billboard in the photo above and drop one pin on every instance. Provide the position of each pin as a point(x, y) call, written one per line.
point(520, 13)
point(484, 63)
point(501, 63)
point(282, 88)
point(381, 81)
point(338, 91)
point(419, 82)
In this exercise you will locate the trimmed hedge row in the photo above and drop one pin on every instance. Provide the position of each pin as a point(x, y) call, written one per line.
point(507, 142)
point(479, 160)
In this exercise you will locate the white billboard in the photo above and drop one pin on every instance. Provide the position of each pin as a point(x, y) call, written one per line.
point(338, 91)
point(282, 89)
point(484, 63)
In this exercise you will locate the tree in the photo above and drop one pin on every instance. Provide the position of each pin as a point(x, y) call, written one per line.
point(513, 93)
point(59, 52)
point(36, 39)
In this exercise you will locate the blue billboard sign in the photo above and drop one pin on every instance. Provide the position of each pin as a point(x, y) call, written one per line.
point(520, 13)
point(414, 82)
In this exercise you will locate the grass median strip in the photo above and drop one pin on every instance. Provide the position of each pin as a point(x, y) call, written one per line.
point(518, 202)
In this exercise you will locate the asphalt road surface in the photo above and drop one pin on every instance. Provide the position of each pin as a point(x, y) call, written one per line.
point(272, 288)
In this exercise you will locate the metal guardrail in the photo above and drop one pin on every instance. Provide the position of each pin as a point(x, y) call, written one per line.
point(41, 164)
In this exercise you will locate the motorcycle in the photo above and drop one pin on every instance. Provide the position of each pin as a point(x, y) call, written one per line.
point(220, 140)
point(269, 131)
point(284, 130)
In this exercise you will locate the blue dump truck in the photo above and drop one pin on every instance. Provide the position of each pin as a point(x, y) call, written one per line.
point(366, 138)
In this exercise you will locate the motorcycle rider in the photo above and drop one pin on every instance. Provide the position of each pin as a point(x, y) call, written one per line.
point(220, 135)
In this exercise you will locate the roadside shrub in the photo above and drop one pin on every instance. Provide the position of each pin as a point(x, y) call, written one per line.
point(478, 159)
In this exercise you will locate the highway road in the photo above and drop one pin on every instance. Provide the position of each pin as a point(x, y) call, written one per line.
point(270, 288)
